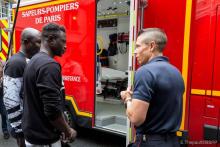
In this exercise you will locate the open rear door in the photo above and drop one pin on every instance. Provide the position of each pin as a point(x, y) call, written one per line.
point(136, 24)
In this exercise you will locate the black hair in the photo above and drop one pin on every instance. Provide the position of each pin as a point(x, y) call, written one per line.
point(52, 29)
point(28, 34)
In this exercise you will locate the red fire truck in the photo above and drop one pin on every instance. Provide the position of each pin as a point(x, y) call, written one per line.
point(99, 59)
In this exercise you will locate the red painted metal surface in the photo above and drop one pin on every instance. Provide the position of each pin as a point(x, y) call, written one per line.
point(216, 74)
point(170, 16)
point(204, 110)
point(201, 67)
point(78, 63)
point(202, 45)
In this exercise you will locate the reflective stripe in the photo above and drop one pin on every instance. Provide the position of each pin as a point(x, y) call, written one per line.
point(215, 93)
point(205, 92)
point(186, 55)
point(198, 91)
point(4, 39)
point(78, 112)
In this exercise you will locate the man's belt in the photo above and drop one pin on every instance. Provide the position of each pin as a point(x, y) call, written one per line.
point(149, 137)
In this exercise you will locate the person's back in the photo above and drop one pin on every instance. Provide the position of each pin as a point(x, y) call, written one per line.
point(37, 68)
point(13, 81)
point(166, 101)
point(13, 73)
point(17, 62)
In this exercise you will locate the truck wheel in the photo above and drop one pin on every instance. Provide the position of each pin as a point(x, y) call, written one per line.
point(69, 118)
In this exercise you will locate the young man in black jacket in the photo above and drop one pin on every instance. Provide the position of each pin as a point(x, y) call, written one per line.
point(43, 95)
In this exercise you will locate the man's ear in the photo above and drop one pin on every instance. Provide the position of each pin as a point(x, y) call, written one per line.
point(152, 46)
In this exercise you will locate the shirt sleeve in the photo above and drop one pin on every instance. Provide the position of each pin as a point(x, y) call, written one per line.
point(12, 83)
point(49, 85)
point(143, 85)
point(12, 101)
point(15, 68)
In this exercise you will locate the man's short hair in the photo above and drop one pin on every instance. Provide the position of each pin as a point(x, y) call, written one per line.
point(52, 29)
point(154, 34)
point(28, 34)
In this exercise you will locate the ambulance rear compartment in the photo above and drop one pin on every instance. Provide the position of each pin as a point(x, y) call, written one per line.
point(112, 64)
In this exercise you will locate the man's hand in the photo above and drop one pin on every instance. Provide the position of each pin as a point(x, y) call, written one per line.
point(69, 135)
point(126, 94)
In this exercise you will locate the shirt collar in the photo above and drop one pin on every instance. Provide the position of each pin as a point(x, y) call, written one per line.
point(159, 58)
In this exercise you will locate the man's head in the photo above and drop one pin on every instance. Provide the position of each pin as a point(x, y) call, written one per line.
point(30, 41)
point(54, 39)
point(150, 43)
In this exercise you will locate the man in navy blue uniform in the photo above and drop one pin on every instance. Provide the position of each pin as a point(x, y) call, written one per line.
point(155, 104)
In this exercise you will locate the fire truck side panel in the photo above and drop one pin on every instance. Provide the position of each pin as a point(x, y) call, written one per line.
point(204, 108)
point(78, 63)
point(202, 46)
point(216, 74)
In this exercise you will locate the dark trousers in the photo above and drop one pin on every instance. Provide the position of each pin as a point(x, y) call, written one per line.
point(18, 136)
point(155, 141)
point(20, 142)
point(3, 115)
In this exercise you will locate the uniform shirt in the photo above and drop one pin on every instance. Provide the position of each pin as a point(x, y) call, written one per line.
point(160, 84)
point(12, 84)
point(42, 99)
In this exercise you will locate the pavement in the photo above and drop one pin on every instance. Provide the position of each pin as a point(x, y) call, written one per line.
point(7, 142)
point(85, 138)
